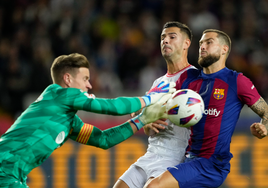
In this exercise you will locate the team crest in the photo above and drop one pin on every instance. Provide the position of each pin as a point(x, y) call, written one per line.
point(218, 94)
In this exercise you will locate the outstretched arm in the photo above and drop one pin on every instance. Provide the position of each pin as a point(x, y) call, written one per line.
point(260, 129)
point(91, 135)
point(125, 105)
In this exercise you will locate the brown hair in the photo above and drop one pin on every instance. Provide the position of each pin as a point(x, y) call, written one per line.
point(67, 63)
point(184, 28)
point(224, 38)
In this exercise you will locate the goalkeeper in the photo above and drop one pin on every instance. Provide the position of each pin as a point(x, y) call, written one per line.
point(49, 121)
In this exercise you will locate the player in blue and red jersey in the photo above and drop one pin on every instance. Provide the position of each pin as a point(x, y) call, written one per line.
point(224, 92)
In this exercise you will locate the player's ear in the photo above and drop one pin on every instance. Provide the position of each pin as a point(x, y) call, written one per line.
point(225, 49)
point(186, 44)
point(67, 78)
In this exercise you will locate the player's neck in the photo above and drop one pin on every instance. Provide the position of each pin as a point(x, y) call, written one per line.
point(215, 67)
point(176, 66)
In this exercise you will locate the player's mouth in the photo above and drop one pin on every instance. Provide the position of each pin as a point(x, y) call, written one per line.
point(165, 47)
point(203, 53)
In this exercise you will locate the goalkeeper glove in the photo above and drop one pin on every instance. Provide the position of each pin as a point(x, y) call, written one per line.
point(152, 113)
point(159, 91)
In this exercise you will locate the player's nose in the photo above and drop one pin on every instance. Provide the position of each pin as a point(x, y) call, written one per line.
point(202, 47)
point(89, 86)
point(165, 40)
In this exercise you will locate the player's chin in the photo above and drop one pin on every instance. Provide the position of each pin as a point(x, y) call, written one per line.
point(201, 57)
point(166, 55)
point(85, 90)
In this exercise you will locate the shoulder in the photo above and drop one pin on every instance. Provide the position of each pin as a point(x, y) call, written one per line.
point(242, 80)
point(246, 90)
point(234, 75)
point(191, 72)
point(60, 92)
point(158, 80)
point(241, 76)
point(187, 76)
point(191, 67)
point(230, 72)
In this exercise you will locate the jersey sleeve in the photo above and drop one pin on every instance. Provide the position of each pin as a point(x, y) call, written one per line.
point(78, 129)
point(117, 106)
point(246, 91)
point(79, 100)
point(90, 135)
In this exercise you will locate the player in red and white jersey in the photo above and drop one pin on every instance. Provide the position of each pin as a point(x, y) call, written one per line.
point(167, 144)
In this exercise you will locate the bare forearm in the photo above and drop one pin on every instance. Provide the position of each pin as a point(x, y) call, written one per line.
point(261, 108)
point(142, 102)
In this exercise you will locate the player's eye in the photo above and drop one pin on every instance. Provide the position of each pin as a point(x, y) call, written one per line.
point(209, 42)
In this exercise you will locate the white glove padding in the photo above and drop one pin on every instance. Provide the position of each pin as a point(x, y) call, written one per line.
point(158, 92)
point(152, 113)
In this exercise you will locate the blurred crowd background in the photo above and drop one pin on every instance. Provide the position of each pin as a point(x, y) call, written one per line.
point(121, 39)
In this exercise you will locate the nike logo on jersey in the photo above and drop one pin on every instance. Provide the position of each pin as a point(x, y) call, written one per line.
point(252, 87)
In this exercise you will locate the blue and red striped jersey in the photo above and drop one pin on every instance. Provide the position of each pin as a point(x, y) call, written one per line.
point(224, 94)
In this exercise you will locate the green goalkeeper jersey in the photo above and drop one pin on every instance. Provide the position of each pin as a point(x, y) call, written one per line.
point(49, 121)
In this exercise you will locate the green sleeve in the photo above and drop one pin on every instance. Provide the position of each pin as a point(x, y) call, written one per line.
point(79, 100)
point(110, 137)
point(117, 106)
point(102, 139)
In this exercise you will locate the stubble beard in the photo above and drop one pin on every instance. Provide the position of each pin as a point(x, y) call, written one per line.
point(167, 55)
point(208, 60)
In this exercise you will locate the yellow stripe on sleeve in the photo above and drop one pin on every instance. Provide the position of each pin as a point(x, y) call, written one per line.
point(84, 133)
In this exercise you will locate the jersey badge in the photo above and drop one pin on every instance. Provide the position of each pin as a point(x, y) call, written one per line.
point(218, 94)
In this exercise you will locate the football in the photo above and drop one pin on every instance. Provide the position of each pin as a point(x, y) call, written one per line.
point(185, 108)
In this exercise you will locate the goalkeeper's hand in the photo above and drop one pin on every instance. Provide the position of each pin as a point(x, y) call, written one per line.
point(152, 113)
point(158, 92)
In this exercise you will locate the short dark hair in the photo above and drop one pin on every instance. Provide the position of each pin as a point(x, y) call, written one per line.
point(184, 28)
point(67, 63)
point(222, 36)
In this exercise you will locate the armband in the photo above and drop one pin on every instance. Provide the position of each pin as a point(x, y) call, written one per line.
point(84, 133)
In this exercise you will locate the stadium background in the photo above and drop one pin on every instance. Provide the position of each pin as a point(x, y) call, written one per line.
point(121, 39)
